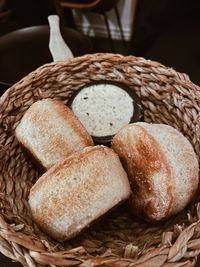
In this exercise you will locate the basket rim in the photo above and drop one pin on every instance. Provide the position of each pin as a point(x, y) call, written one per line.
point(33, 250)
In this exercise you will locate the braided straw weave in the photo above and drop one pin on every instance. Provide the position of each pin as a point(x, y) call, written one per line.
point(118, 239)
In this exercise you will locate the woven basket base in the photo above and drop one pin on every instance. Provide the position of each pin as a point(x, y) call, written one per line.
point(118, 239)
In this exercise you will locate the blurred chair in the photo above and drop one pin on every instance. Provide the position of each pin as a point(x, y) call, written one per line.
point(24, 50)
point(5, 13)
point(96, 6)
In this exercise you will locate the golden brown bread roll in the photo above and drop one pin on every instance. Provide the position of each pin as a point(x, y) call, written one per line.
point(76, 192)
point(162, 168)
point(49, 131)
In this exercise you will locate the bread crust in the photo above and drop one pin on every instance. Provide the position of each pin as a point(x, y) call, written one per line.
point(44, 138)
point(73, 194)
point(150, 153)
point(142, 159)
point(75, 123)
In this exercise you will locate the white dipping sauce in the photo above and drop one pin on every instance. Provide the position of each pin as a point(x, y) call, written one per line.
point(103, 108)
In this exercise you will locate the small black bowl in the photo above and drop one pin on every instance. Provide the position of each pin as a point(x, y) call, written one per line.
point(137, 114)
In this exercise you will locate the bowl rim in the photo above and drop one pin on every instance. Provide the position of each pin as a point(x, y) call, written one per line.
point(137, 105)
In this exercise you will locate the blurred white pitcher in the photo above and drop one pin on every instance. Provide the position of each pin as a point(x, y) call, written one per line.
point(58, 48)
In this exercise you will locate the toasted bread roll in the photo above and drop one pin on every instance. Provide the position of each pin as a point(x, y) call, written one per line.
point(50, 132)
point(74, 193)
point(162, 168)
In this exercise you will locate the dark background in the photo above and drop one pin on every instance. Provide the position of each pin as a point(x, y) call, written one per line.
point(166, 31)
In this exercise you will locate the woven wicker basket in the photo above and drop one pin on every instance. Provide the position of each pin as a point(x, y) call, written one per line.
point(119, 239)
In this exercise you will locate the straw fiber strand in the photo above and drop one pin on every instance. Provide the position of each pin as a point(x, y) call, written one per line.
point(119, 239)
